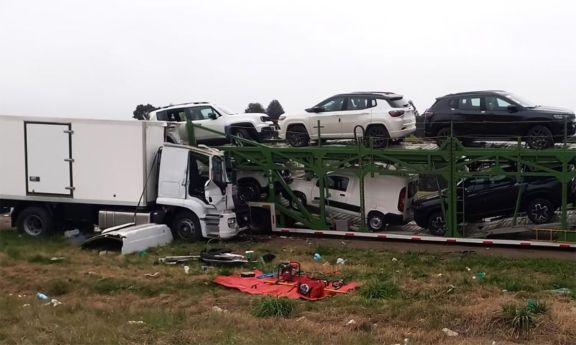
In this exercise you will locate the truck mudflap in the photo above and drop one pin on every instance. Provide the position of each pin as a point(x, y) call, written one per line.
point(129, 238)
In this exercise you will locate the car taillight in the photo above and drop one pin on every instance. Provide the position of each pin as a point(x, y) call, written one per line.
point(396, 113)
point(401, 199)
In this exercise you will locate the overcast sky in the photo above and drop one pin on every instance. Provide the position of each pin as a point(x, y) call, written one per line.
point(101, 58)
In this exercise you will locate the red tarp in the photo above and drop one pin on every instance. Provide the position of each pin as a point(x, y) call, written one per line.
point(268, 286)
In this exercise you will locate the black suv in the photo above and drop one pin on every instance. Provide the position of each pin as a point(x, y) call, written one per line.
point(485, 197)
point(497, 115)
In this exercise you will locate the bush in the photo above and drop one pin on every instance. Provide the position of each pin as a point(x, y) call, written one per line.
point(379, 289)
point(274, 307)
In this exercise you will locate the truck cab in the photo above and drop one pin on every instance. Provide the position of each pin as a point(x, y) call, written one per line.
point(195, 192)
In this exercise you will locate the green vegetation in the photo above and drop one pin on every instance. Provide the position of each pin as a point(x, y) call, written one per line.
point(274, 307)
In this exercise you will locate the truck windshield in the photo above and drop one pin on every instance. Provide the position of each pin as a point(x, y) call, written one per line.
point(218, 172)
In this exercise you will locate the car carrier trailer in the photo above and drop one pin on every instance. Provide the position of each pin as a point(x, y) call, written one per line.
point(63, 173)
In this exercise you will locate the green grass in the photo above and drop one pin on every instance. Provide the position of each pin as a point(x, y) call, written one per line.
point(274, 307)
point(378, 289)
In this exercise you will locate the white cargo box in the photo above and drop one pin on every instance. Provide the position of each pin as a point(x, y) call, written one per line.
point(78, 160)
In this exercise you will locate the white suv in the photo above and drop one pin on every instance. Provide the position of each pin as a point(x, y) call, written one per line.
point(387, 199)
point(253, 126)
point(382, 115)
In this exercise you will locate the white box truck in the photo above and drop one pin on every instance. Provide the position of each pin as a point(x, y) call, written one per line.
point(65, 173)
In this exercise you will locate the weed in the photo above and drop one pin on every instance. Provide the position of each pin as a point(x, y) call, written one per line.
point(164, 319)
point(41, 259)
point(274, 307)
point(537, 307)
point(378, 289)
point(58, 287)
point(518, 318)
point(108, 286)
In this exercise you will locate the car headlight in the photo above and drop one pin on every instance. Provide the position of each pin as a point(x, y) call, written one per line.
point(560, 117)
point(231, 222)
point(265, 118)
point(282, 118)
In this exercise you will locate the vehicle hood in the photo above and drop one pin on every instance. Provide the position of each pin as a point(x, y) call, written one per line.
point(431, 198)
point(256, 117)
point(552, 110)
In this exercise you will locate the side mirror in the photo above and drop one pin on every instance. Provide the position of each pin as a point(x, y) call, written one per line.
point(212, 116)
point(316, 109)
point(512, 109)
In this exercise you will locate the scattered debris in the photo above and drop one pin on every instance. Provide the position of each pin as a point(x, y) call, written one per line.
point(301, 318)
point(41, 296)
point(130, 238)
point(91, 273)
point(186, 269)
point(450, 288)
point(340, 261)
point(57, 258)
point(25, 305)
point(217, 309)
point(351, 322)
point(317, 256)
point(105, 252)
point(394, 259)
point(152, 275)
point(449, 332)
point(139, 322)
point(562, 291)
point(479, 276)
point(439, 275)
point(71, 233)
point(173, 260)
point(223, 256)
point(54, 302)
point(468, 269)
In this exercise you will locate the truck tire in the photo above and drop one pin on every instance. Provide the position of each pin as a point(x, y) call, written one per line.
point(437, 224)
point(35, 221)
point(376, 221)
point(186, 227)
point(442, 135)
point(297, 136)
point(540, 211)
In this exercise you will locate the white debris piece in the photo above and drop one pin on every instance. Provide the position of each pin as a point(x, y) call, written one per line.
point(139, 322)
point(186, 269)
point(449, 332)
point(394, 259)
point(351, 322)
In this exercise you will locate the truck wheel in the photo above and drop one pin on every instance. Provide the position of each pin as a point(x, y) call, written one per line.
point(297, 136)
point(378, 135)
point(539, 137)
point(300, 197)
point(437, 224)
point(186, 227)
point(540, 211)
point(35, 221)
point(376, 221)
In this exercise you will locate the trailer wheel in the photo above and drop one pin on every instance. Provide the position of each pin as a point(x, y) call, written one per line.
point(376, 221)
point(540, 211)
point(437, 224)
point(248, 190)
point(539, 137)
point(186, 227)
point(35, 221)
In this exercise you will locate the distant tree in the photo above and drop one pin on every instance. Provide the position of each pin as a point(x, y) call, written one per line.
point(274, 109)
point(141, 111)
point(255, 108)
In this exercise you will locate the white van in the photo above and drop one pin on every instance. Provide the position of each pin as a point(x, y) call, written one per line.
point(387, 199)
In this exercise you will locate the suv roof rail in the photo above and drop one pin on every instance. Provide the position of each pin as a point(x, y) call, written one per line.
point(179, 104)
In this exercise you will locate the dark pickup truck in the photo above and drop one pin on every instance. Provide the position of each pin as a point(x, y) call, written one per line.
point(484, 197)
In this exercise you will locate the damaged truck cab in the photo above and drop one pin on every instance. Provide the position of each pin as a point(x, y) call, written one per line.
point(60, 174)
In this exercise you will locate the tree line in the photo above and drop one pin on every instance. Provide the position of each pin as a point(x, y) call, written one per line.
point(274, 110)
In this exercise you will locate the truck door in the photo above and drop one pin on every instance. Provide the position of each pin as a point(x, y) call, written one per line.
point(48, 158)
point(215, 187)
point(173, 172)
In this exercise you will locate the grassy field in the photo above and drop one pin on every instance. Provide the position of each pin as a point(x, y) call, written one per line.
point(406, 297)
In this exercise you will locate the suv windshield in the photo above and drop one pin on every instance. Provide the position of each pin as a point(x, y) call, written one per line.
point(523, 102)
point(224, 110)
